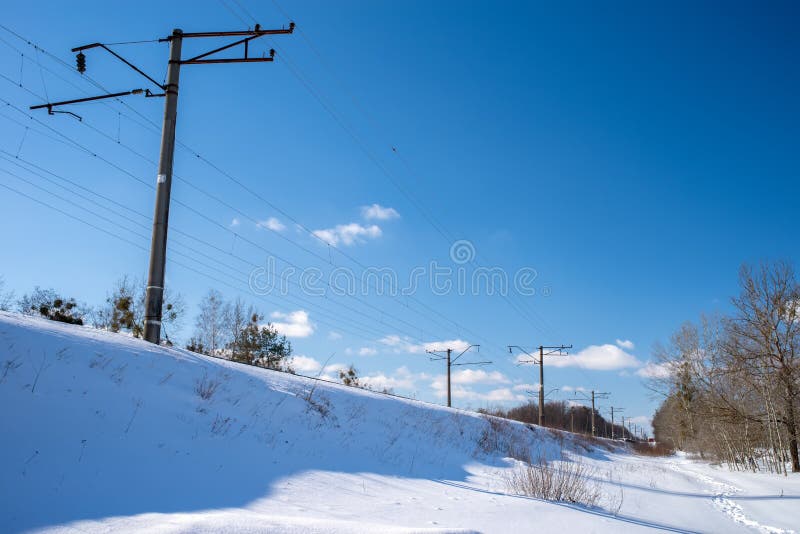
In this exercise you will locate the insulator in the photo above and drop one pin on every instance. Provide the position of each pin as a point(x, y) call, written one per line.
point(80, 59)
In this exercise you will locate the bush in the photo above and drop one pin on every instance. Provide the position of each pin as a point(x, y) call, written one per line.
point(125, 309)
point(51, 305)
point(349, 377)
point(563, 482)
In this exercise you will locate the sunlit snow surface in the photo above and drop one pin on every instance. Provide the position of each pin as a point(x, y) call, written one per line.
point(100, 432)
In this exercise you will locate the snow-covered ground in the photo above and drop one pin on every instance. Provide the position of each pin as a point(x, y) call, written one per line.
point(101, 432)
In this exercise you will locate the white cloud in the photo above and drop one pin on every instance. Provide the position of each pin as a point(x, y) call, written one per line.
point(643, 421)
point(378, 212)
point(391, 340)
point(305, 364)
point(597, 357)
point(235, 222)
point(272, 224)
point(502, 395)
point(655, 370)
point(526, 387)
point(478, 376)
point(461, 392)
point(294, 324)
point(625, 344)
point(401, 379)
point(406, 346)
point(573, 389)
point(367, 351)
point(348, 234)
point(334, 335)
point(457, 345)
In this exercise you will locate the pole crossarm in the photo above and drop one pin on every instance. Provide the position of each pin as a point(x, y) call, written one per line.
point(478, 347)
point(50, 105)
point(257, 31)
point(119, 57)
point(249, 35)
point(559, 350)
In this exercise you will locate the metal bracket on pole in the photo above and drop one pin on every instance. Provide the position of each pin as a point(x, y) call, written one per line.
point(51, 105)
point(158, 246)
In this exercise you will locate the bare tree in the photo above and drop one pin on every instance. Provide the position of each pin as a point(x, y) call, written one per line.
point(236, 318)
point(764, 337)
point(6, 297)
point(210, 331)
point(731, 383)
point(124, 309)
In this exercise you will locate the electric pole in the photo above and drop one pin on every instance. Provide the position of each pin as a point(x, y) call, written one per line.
point(612, 420)
point(595, 395)
point(154, 295)
point(444, 354)
point(552, 351)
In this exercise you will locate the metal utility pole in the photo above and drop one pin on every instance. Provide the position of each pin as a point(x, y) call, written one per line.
point(444, 354)
point(552, 351)
point(154, 296)
point(596, 396)
point(612, 419)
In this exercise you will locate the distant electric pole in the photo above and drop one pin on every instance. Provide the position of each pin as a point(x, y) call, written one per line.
point(612, 420)
point(154, 296)
point(594, 395)
point(552, 351)
point(444, 354)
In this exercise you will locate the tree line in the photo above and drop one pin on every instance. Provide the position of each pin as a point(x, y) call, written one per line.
point(232, 330)
point(229, 329)
point(731, 383)
point(562, 415)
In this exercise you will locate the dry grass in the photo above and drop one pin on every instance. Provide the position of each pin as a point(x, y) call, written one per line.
point(564, 482)
point(206, 387)
point(589, 443)
point(499, 436)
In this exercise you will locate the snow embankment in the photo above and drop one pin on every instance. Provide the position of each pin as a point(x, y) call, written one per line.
point(101, 432)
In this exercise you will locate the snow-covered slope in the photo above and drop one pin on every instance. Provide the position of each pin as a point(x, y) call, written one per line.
point(102, 432)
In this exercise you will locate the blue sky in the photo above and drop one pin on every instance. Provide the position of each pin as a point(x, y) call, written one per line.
point(632, 155)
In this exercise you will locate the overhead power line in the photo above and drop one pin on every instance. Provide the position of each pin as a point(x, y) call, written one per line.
point(429, 309)
point(535, 319)
point(218, 169)
point(158, 248)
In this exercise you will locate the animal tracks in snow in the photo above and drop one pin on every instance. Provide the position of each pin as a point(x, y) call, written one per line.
point(721, 500)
